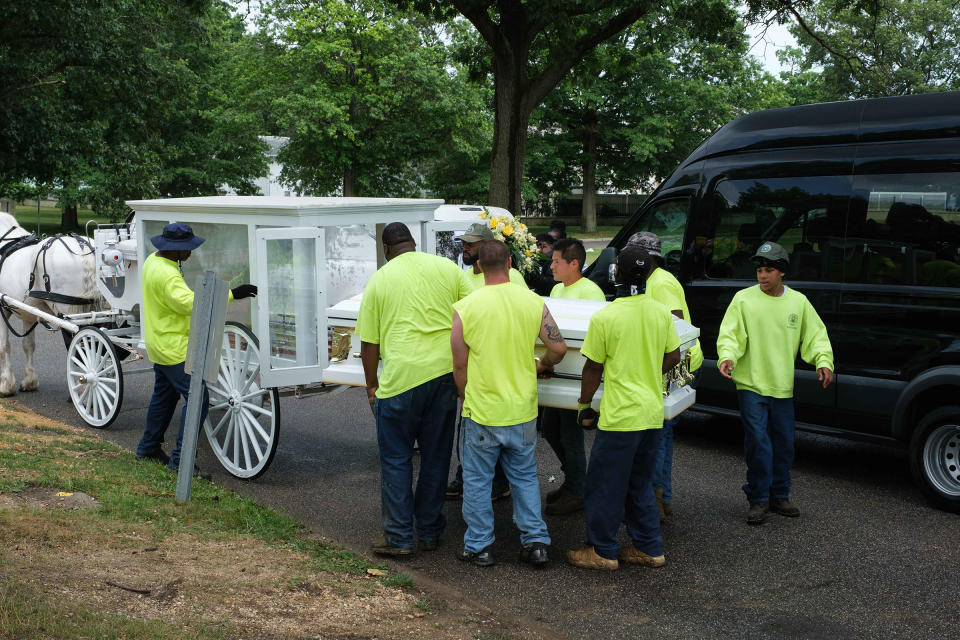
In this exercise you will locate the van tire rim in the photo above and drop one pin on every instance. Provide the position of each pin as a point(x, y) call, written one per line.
point(941, 459)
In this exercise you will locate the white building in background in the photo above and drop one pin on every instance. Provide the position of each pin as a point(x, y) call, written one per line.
point(269, 185)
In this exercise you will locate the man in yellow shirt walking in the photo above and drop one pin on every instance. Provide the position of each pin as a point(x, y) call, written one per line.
point(405, 318)
point(559, 426)
point(760, 334)
point(494, 331)
point(166, 310)
point(631, 343)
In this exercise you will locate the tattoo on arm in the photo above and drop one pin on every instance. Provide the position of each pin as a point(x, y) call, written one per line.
point(550, 325)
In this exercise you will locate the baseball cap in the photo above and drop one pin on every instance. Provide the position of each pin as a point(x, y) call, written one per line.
point(646, 240)
point(477, 232)
point(634, 264)
point(771, 252)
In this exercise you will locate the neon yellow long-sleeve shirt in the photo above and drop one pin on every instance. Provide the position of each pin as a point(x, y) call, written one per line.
point(761, 334)
point(166, 310)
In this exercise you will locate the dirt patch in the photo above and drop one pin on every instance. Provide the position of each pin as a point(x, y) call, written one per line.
point(41, 498)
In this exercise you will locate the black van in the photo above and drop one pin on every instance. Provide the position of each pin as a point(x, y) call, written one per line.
point(865, 195)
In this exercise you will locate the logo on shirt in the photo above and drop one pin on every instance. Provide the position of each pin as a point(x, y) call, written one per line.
point(793, 321)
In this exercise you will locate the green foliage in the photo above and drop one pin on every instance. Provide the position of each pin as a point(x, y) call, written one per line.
point(366, 94)
point(108, 101)
point(872, 49)
point(642, 101)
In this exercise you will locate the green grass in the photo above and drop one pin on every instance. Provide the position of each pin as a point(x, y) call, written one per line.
point(49, 219)
point(136, 502)
point(573, 231)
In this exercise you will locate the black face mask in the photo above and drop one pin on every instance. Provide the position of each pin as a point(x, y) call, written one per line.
point(625, 290)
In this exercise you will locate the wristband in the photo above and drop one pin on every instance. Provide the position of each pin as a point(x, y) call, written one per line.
point(582, 405)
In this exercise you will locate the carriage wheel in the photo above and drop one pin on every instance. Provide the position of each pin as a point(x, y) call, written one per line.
point(94, 377)
point(243, 423)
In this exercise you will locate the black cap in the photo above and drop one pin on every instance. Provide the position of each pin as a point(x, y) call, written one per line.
point(634, 263)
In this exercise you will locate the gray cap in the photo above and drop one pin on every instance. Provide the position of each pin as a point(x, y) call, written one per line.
point(646, 240)
point(771, 252)
point(477, 232)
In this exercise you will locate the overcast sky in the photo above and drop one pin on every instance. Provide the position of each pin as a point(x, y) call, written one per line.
point(765, 46)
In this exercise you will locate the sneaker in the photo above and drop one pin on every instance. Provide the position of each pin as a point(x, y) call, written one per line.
point(455, 489)
point(158, 456)
point(757, 513)
point(567, 503)
point(587, 558)
point(784, 507)
point(552, 496)
point(499, 492)
point(383, 548)
point(483, 558)
point(632, 555)
point(535, 554)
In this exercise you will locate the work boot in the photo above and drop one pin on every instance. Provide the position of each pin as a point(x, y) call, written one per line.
point(383, 548)
point(498, 493)
point(588, 558)
point(632, 555)
point(156, 456)
point(784, 507)
point(567, 503)
point(757, 513)
point(658, 494)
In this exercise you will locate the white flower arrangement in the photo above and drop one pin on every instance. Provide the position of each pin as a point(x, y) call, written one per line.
point(522, 243)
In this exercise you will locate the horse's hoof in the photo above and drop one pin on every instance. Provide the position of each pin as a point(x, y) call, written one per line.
point(29, 389)
point(7, 394)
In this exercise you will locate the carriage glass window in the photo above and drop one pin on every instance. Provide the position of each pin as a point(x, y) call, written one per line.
point(667, 219)
point(905, 229)
point(351, 252)
point(806, 215)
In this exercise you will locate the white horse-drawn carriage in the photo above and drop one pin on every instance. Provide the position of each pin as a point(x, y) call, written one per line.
point(310, 259)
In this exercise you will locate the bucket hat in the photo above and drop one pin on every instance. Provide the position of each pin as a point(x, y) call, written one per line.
point(177, 236)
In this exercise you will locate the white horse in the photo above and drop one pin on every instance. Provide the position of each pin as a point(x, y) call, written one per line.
point(71, 268)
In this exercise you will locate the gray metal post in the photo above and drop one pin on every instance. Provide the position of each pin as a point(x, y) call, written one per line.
point(203, 355)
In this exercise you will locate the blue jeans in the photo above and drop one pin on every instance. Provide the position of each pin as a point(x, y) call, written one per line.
point(170, 383)
point(621, 466)
point(565, 436)
point(663, 470)
point(515, 446)
point(425, 415)
point(768, 433)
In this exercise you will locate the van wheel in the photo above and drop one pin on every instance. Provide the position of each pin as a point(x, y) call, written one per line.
point(935, 457)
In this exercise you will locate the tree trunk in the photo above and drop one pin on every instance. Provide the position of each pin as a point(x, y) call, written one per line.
point(588, 214)
point(68, 219)
point(350, 179)
point(511, 98)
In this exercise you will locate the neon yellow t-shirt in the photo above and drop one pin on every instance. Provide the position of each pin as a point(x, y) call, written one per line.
point(166, 310)
point(667, 290)
point(477, 281)
point(760, 334)
point(501, 322)
point(407, 308)
point(582, 289)
point(629, 337)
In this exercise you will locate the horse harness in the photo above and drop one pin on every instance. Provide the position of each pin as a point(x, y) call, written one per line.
point(11, 245)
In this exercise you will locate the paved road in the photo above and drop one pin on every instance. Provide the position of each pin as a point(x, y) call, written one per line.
point(868, 559)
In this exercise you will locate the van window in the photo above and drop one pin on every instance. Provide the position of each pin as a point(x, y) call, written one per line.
point(667, 219)
point(806, 215)
point(904, 229)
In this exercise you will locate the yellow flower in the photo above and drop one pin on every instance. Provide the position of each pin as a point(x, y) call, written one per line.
point(483, 215)
point(493, 223)
point(507, 230)
point(523, 227)
point(528, 253)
